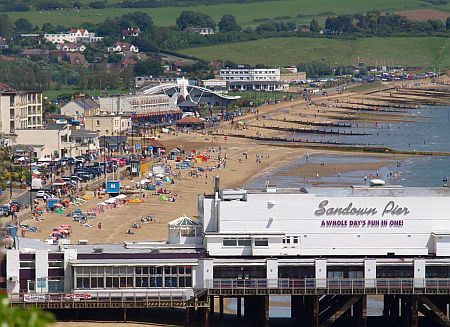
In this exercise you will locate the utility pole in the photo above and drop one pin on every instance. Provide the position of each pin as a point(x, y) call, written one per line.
point(31, 180)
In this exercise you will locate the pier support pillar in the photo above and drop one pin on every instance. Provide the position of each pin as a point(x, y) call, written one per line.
point(205, 317)
point(312, 311)
point(256, 310)
point(188, 316)
point(297, 302)
point(124, 314)
point(360, 311)
point(239, 307)
point(391, 306)
point(211, 306)
point(221, 307)
point(266, 308)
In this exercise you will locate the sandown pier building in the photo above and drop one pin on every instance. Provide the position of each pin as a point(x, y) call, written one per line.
point(325, 249)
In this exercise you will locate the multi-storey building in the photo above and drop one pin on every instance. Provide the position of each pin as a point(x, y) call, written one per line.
point(75, 35)
point(20, 110)
point(250, 74)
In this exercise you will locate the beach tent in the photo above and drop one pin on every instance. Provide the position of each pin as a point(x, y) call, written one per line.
point(167, 179)
point(145, 181)
point(163, 198)
point(59, 182)
point(159, 175)
point(150, 187)
point(77, 211)
point(60, 210)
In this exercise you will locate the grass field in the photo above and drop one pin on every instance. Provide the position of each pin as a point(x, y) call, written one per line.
point(408, 51)
point(301, 11)
point(54, 93)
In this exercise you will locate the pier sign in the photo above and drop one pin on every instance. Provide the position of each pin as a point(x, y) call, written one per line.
point(391, 213)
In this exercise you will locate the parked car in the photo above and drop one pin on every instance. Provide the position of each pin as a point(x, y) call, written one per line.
point(43, 195)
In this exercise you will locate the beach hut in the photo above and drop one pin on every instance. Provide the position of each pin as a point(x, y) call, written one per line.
point(191, 123)
point(155, 147)
point(175, 154)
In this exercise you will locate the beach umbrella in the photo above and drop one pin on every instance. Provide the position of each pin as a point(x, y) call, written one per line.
point(121, 196)
point(159, 175)
point(77, 211)
point(144, 181)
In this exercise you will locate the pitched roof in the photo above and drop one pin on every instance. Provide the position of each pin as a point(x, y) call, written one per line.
point(5, 87)
point(75, 58)
point(86, 103)
point(35, 52)
point(190, 120)
point(154, 143)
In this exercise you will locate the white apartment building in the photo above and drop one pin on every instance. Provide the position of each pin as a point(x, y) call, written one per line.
point(20, 110)
point(75, 35)
point(250, 74)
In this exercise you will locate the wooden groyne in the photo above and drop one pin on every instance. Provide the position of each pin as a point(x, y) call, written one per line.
point(308, 123)
point(309, 130)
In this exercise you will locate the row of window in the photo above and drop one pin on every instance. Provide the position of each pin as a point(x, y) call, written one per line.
point(32, 264)
point(131, 271)
point(245, 242)
point(132, 277)
point(133, 282)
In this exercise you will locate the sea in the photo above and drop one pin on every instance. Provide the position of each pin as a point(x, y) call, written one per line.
point(423, 129)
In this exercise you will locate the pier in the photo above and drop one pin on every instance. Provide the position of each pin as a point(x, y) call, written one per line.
point(314, 302)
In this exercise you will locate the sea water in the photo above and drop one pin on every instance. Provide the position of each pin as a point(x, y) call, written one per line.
point(430, 132)
point(425, 129)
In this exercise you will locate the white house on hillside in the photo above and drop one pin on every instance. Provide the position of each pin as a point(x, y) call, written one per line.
point(72, 47)
point(123, 47)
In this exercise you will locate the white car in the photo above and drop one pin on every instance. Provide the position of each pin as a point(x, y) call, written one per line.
point(43, 195)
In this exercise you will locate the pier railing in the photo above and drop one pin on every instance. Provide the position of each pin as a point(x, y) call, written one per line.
point(329, 286)
point(197, 296)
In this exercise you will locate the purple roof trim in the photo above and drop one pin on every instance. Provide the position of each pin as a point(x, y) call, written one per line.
point(56, 272)
point(56, 256)
point(27, 256)
point(141, 256)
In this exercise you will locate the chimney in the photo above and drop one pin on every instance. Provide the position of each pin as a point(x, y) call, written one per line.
point(216, 184)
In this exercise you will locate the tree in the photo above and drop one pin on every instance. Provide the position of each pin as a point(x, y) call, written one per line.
point(114, 58)
point(6, 26)
point(23, 25)
point(436, 24)
point(314, 26)
point(228, 24)
point(149, 67)
point(14, 317)
point(194, 19)
point(447, 23)
point(145, 43)
point(137, 19)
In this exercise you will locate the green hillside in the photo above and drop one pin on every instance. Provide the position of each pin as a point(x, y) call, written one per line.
point(301, 11)
point(408, 51)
